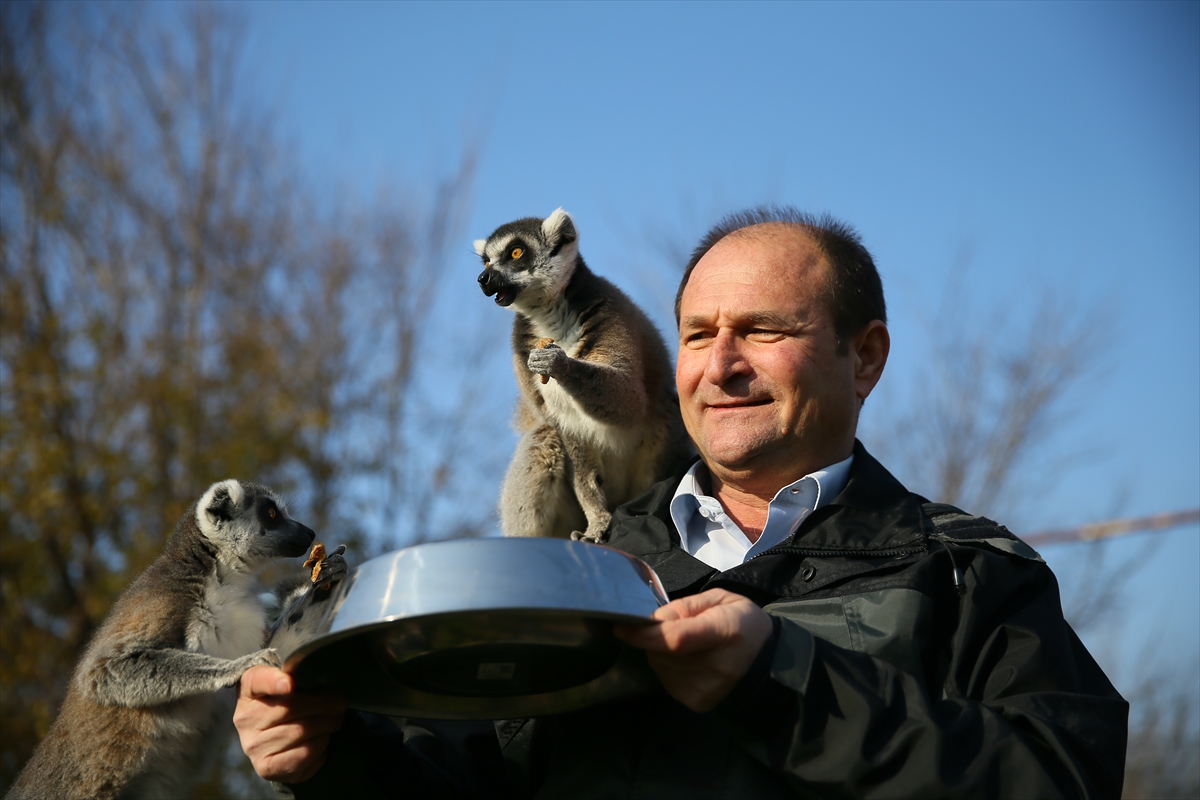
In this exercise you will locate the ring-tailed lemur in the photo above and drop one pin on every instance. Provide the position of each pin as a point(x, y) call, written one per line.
point(149, 707)
point(607, 425)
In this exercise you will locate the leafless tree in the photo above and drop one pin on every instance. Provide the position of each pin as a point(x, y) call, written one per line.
point(978, 423)
point(178, 307)
point(1163, 761)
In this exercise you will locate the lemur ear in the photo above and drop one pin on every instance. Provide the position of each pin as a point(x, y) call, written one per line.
point(220, 502)
point(558, 229)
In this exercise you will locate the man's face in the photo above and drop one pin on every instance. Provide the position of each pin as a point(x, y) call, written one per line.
point(762, 388)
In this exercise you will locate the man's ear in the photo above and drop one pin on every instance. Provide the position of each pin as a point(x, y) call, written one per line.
point(869, 348)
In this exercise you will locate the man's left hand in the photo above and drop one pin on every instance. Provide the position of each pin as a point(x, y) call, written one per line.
point(702, 645)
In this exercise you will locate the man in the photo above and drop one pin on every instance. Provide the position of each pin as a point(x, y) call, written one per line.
point(830, 633)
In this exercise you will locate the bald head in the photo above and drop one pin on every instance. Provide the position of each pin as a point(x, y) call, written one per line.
point(851, 289)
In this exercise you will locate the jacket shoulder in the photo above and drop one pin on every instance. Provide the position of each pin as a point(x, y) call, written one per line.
point(951, 524)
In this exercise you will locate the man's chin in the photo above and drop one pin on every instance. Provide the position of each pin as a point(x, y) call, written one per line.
point(731, 456)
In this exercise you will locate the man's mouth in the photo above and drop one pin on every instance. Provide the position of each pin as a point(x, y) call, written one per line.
point(734, 404)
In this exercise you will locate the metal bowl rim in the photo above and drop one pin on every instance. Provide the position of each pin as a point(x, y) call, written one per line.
point(326, 639)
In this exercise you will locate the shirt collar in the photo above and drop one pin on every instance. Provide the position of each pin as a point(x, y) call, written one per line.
point(707, 532)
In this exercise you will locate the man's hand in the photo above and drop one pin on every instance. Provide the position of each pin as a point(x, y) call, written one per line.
point(285, 734)
point(703, 645)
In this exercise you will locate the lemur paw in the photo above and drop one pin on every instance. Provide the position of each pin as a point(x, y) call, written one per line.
point(327, 569)
point(590, 538)
point(548, 361)
point(268, 656)
point(333, 568)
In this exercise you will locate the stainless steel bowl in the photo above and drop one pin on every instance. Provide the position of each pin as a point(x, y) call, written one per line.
point(483, 629)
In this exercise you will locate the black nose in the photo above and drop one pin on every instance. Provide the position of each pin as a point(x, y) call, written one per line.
point(487, 281)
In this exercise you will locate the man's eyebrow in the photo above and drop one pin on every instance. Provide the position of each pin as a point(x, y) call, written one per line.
point(769, 319)
point(754, 319)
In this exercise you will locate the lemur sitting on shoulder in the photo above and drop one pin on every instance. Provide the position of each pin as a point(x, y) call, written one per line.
point(150, 705)
point(597, 408)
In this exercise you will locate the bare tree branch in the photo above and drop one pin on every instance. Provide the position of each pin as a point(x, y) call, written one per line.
point(177, 309)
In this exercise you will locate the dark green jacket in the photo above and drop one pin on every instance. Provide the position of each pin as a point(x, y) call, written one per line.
point(918, 652)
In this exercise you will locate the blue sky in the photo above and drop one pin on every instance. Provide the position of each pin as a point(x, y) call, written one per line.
point(1057, 143)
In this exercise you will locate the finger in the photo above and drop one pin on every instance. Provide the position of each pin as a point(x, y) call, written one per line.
point(689, 635)
point(288, 735)
point(640, 636)
point(669, 611)
point(696, 604)
point(265, 681)
point(295, 764)
point(267, 712)
point(656, 637)
point(693, 634)
point(282, 751)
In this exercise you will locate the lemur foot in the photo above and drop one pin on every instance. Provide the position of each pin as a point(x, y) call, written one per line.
point(590, 538)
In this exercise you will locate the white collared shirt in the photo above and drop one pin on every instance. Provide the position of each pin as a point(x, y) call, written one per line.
point(708, 533)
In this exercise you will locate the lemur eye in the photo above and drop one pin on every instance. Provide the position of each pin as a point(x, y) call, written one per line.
point(516, 253)
point(271, 512)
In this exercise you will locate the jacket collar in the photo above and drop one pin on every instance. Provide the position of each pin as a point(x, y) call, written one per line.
point(873, 516)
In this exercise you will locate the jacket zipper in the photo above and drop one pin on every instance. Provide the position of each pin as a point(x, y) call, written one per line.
point(815, 552)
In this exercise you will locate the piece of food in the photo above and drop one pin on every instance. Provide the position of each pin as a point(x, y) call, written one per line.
point(542, 342)
point(315, 560)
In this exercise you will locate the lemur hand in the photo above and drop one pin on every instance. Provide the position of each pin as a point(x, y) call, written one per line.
point(268, 656)
point(327, 569)
point(549, 361)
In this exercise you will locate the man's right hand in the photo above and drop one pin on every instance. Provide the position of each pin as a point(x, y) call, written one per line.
point(285, 733)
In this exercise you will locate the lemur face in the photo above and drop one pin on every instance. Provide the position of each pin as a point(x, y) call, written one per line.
point(250, 523)
point(528, 262)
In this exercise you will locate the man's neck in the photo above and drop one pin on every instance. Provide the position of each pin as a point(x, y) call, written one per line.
point(748, 510)
point(746, 496)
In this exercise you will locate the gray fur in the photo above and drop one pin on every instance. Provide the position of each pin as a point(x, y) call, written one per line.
point(597, 411)
point(150, 705)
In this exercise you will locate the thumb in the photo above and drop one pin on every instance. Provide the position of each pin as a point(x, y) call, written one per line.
point(265, 681)
point(695, 604)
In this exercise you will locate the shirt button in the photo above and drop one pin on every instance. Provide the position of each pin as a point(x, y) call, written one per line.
point(807, 573)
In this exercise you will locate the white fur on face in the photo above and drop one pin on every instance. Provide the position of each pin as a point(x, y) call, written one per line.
point(479, 245)
point(493, 250)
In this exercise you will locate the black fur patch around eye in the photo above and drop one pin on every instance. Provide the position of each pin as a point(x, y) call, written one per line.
point(265, 505)
point(516, 244)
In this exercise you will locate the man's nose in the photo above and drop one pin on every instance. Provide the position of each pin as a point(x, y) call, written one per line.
point(725, 359)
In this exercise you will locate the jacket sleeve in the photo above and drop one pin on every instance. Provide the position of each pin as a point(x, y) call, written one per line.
point(1024, 710)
